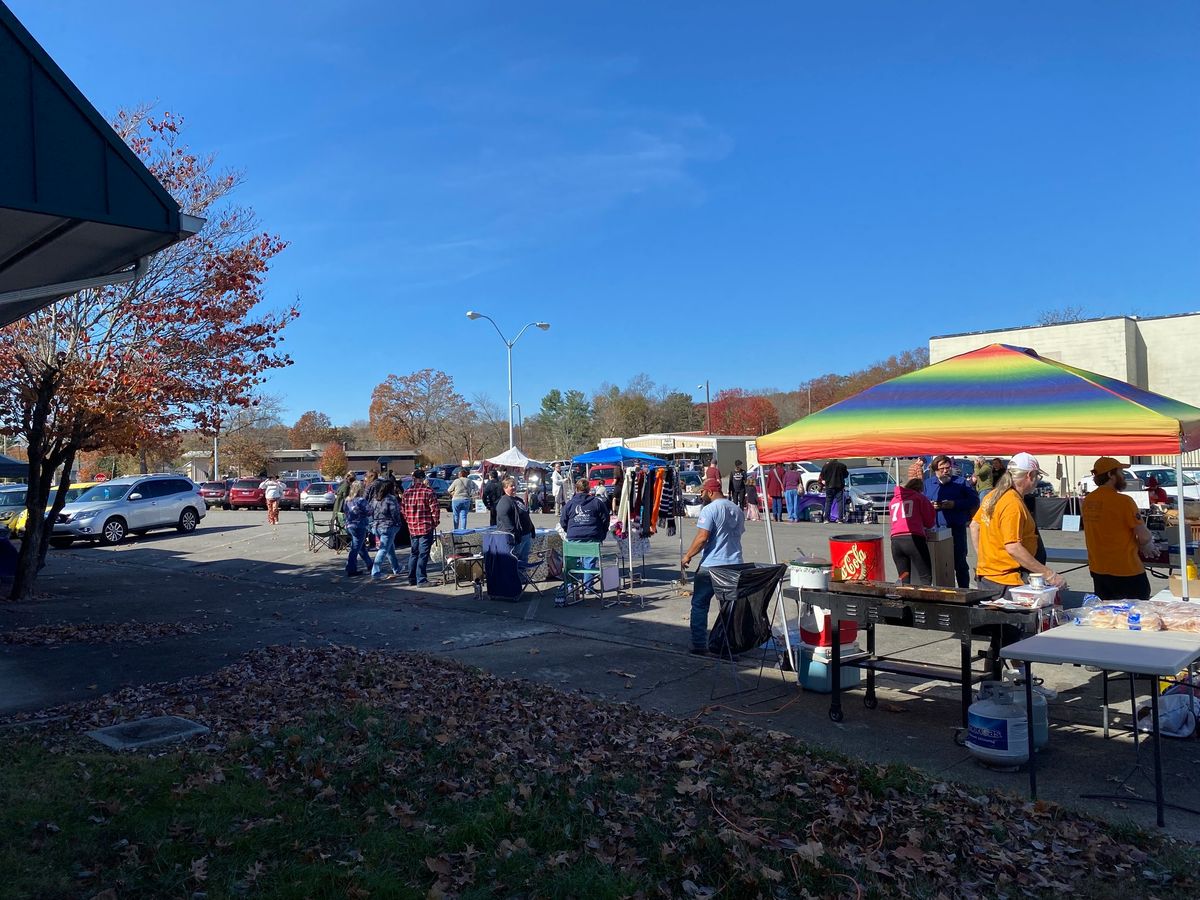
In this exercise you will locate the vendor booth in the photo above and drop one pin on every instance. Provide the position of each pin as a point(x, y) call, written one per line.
point(997, 398)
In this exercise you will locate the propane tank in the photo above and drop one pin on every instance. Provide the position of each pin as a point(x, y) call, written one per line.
point(997, 733)
point(1041, 713)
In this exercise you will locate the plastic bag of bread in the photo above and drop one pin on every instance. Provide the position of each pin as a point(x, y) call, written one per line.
point(1179, 616)
point(1119, 615)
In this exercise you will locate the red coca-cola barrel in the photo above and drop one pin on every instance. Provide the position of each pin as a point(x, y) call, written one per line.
point(859, 557)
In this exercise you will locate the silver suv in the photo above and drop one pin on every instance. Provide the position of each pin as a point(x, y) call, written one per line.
point(132, 505)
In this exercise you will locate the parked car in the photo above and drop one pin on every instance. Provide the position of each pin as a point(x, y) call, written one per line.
point(606, 475)
point(690, 483)
point(440, 486)
point(17, 522)
point(113, 509)
point(871, 486)
point(246, 493)
point(12, 503)
point(291, 492)
point(1166, 480)
point(1132, 483)
point(215, 493)
point(318, 495)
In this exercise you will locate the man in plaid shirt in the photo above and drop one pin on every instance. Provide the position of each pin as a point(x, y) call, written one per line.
point(421, 512)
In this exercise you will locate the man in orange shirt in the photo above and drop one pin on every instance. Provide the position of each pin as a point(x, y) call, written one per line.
point(1115, 535)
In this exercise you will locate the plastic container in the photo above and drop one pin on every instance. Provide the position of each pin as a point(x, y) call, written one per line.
point(997, 732)
point(816, 628)
point(859, 557)
point(816, 674)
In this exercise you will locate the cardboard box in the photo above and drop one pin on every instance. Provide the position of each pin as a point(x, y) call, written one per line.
point(1193, 587)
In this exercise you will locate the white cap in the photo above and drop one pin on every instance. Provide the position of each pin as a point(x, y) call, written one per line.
point(1025, 462)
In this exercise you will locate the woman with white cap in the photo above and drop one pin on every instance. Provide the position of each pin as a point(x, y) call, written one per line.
point(1004, 532)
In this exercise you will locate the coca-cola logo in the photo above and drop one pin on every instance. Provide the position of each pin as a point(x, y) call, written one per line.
point(854, 564)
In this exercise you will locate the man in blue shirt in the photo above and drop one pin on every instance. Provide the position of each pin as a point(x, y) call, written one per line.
point(956, 503)
point(718, 542)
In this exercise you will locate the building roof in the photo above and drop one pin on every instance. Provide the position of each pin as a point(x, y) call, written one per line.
point(76, 203)
point(1011, 328)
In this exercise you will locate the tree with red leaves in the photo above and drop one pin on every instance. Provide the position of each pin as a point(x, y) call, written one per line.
point(121, 367)
point(333, 462)
point(312, 427)
point(734, 411)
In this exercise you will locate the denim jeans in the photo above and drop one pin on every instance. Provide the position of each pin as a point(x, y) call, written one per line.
point(962, 571)
point(776, 508)
point(358, 547)
point(459, 509)
point(702, 594)
point(791, 497)
point(418, 558)
point(521, 548)
point(387, 549)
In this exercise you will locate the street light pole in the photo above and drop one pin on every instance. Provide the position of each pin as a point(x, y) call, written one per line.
point(707, 407)
point(545, 326)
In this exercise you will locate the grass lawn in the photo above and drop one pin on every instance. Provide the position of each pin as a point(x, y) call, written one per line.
point(342, 773)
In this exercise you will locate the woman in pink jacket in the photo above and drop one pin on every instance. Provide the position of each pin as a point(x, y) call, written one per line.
point(912, 513)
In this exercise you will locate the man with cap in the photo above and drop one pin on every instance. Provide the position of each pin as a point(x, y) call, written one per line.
point(955, 502)
point(1115, 536)
point(421, 512)
point(1004, 532)
point(718, 542)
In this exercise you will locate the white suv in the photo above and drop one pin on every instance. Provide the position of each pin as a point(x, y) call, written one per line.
point(132, 505)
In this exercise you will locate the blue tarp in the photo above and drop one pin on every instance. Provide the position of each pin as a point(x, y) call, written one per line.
point(617, 455)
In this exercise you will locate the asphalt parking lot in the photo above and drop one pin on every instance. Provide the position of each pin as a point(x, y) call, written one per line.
point(237, 583)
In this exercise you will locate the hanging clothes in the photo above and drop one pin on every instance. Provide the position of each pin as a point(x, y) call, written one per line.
point(623, 506)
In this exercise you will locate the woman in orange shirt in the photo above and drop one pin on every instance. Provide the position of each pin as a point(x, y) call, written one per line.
point(1004, 533)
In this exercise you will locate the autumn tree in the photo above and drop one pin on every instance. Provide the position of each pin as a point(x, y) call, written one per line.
point(311, 428)
point(333, 461)
point(735, 411)
point(120, 366)
point(421, 410)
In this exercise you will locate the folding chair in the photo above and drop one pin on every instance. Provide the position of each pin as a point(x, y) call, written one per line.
point(324, 535)
point(460, 560)
point(580, 581)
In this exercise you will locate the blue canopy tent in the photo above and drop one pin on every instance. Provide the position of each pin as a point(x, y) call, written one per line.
point(13, 468)
point(617, 456)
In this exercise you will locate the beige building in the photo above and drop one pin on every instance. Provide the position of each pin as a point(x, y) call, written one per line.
point(1157, 354)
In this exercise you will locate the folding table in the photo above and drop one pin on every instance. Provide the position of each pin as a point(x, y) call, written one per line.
point(1155, 653)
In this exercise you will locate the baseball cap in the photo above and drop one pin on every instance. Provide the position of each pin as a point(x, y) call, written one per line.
point(418, 474)
point(1107, 464)
point(1026, 462)
point(712, 484)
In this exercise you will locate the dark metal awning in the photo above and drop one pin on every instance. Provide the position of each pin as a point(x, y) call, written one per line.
point(76, 204)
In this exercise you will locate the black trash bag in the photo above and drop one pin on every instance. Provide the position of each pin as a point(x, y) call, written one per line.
point(743, 594)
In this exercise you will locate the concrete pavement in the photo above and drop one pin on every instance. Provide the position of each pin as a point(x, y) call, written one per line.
point(244, 584)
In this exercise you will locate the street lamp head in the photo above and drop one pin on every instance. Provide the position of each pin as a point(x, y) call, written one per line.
point(471, 314)
point(545, 326)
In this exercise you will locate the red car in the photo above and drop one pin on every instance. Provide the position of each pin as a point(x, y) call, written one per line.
point(606, 475)
point(291, 492)
point(215, 493)
point(245, 493)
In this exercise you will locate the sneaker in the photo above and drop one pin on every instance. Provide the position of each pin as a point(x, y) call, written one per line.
point(423, 583)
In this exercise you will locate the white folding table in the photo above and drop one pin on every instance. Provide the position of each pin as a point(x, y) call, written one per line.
point(1154, 653)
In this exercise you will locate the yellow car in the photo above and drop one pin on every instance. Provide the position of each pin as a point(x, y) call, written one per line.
point(16, 523)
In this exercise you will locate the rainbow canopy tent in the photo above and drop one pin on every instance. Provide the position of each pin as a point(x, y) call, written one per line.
point(994, 399)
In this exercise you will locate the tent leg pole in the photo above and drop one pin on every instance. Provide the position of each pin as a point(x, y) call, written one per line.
point(1182, 504)
point(780, 609)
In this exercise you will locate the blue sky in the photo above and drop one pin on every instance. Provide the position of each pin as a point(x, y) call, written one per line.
point(753, 194)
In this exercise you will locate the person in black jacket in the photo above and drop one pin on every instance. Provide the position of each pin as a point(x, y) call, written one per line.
point(737, 483)
point(512, 515)
point(585, 517)
point(492, 492)
point(833, 475)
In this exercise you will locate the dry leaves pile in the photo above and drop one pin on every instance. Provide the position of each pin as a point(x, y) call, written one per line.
point(735, 812)
point(99, 633)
